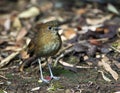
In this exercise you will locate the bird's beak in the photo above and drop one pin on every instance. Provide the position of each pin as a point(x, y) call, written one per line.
point(57, 28)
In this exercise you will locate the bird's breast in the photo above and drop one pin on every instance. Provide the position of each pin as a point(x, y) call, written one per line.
point(48, 45)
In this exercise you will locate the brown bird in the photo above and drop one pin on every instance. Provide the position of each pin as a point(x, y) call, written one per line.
point(46, 43)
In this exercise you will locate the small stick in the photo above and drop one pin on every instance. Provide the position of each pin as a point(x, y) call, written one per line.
point(115, 49)
point(71, 65)
point(10, 57)
point(3, 77)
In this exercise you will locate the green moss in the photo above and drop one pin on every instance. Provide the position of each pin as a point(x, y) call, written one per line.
point(54, 86)
point(9, 76)
point(72, 59)
point(2, 91)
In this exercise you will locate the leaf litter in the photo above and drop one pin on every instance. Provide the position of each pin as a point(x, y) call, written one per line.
point(88, 34)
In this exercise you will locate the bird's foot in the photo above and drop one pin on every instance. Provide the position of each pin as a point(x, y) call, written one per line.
point(47, 80)
point(44, 80)
point(54, 77)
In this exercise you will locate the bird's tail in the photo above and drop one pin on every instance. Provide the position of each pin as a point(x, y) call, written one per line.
point(26, 63)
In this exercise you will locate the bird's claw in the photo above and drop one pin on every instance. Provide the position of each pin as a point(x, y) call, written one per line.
point(48, 81)
point(44, 80)
point(56, 78)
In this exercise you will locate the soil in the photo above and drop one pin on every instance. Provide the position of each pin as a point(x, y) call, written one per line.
point(82, 81)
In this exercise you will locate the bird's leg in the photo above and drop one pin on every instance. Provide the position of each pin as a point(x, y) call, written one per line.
point(41, 72)
point(51, 73)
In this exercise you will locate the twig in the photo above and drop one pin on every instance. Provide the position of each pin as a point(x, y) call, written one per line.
point(104, 77)
point(58, 58)
point(70, 65)
point(115, 49)
point(2, 69)
point(107, 67)
point(10, 57)
point(3, 77)
point(35, 89)
point(6, 60)
point(101, 39)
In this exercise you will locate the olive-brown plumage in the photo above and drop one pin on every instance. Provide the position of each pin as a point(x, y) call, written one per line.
point(45, 43)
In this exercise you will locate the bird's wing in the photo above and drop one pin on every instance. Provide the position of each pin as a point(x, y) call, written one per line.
point(31, 48)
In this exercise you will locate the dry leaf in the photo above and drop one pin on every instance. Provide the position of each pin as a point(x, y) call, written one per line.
point(104, 77)
point(98, 21)
point(117, 92)
point(21, 34)
point(94, 41)
point(71, 65)
point(7, 60)
point(92, 28)
point(116, 63)
point(7, 24)
point(46, 6)
point(12, 48)
point(69, 33)
point(49, 19)
point(35, 89)
point(24, 54)
point(108, 68)
point(80, 11)
point(113, 9)
point(16, 23)
point(31, 12)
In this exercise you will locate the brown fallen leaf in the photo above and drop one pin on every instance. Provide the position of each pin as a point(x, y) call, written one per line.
point(107, 67)
point(69, 33)
point(94, 41)
point(24, 54)
point(21, 34)
point(80, 11)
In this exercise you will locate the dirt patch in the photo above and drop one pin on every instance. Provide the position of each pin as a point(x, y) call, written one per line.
point(84, 80)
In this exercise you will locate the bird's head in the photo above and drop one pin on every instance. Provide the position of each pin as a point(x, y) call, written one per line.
point(48, 26)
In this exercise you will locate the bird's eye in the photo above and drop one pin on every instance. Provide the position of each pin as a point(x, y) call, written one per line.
point(49, 27)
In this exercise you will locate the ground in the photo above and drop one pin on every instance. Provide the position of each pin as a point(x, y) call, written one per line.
point(84, 80)
point(90, 38)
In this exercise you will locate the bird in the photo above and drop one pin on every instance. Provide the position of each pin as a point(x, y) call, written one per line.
point(46, 42)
